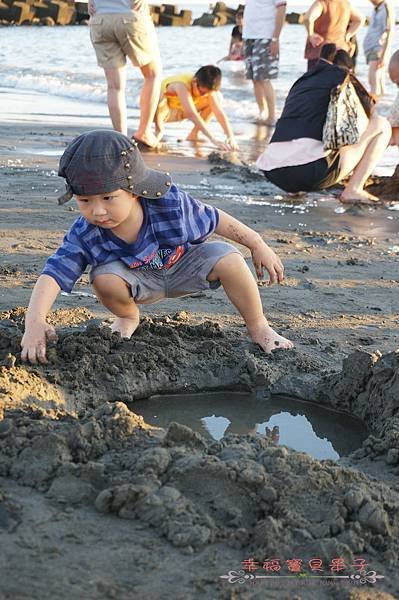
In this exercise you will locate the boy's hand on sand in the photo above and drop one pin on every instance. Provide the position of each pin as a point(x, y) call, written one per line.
point(34, 342)
point(232, 144)
point(221, 146)
point(264, 257)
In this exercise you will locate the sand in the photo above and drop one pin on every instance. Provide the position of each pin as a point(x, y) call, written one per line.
point(95, 503)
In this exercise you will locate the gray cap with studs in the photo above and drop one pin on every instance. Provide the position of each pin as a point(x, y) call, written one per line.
point(103, 161)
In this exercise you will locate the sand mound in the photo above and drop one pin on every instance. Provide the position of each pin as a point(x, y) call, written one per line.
point(67, 433)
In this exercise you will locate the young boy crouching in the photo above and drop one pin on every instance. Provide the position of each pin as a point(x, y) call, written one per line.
point(144, 239)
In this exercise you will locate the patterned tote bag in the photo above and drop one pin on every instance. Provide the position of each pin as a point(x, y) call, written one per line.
point(341, 124)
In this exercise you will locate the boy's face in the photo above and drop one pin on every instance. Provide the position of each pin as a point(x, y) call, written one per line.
point(107, 210)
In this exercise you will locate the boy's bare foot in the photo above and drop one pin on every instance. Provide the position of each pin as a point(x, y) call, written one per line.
point(268, 339)
point(358, 197)
point(125, 326)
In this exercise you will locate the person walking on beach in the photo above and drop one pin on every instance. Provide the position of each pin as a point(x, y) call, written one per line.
point(197, 98)
point(120, 29)
point(330, 22)
point(263, 22)
point(376, 44)
point(145, 240)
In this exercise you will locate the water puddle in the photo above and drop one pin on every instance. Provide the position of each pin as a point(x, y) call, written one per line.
point(323, 433)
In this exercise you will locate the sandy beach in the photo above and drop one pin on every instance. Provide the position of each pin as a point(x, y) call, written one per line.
point(97, 504)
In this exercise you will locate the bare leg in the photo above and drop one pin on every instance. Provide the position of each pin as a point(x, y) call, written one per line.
point(270, 97)
point(260, 96)
point(376, 78)
point(114, 293)
point(207, 115)
point(240, 286)
point(361, 158)
point(265, 98)
point(116, 85)
point(149, 99)
point(161, 117)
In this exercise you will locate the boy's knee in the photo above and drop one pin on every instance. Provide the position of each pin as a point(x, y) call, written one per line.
point(109, 285)
point(228, 263)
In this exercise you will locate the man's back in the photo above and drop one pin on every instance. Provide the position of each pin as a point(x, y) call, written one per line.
point(331, 26)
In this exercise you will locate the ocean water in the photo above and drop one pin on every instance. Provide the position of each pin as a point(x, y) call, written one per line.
point(54, 69)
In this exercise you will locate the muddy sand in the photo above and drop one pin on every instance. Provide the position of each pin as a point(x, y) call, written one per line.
point(95, 503)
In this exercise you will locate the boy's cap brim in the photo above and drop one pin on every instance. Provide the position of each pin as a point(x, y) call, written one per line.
point(103, 161)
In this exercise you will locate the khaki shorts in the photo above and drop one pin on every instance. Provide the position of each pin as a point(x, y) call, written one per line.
point(115, 36)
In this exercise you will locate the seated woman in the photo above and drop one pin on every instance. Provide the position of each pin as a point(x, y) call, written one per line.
point(295, 159)
point(236, 48)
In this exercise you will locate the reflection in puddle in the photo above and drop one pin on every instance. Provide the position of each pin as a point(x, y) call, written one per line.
point(323, 433)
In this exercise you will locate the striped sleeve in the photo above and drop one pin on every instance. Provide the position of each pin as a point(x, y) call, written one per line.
point(199, 220)
point(69, 261)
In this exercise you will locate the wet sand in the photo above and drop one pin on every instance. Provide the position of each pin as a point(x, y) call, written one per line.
point(94, 503)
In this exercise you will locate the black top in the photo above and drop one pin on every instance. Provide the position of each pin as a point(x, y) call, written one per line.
point(306, 106)
point(236, 33)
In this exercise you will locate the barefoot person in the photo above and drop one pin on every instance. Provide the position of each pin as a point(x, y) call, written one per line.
point(120, 29)
point(330, 22)
point(377, 43)
point(296, 160)
point(145, 240)
point(197, 98)
point(263, 22)
point(393, 70)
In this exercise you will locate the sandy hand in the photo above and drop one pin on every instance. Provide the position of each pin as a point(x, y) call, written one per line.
point(34, 342)
point(264, 257)
point(232, 144)
point(221, 146)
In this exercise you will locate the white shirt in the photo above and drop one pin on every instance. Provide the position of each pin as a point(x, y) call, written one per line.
point(290, 154)
point(260, 18)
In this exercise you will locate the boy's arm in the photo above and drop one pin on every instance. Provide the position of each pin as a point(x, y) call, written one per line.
point(262, 255)
point(221, 117)
point(191, 113)
point(37, 331)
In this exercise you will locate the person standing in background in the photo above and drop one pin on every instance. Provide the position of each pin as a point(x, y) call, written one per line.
point(377, 42)
point(120, 29)
point(330, 22)
point(393, 70)
point(263, 22)
point(236, 47)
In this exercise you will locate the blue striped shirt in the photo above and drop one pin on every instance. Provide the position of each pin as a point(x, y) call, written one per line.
point(171, 225)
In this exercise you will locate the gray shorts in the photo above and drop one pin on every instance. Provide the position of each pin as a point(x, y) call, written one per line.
point(373, 55)
point(187, 276)
point(259, 64)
